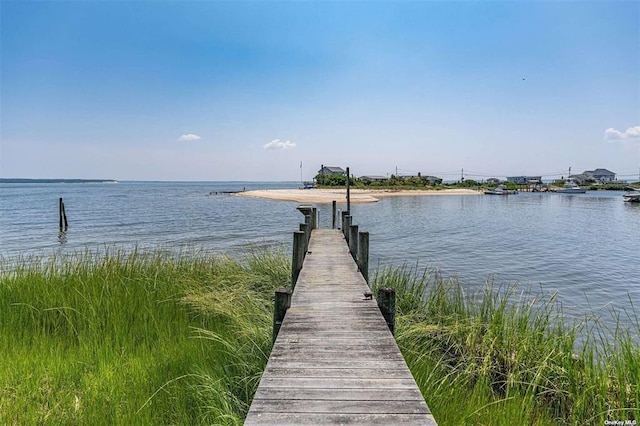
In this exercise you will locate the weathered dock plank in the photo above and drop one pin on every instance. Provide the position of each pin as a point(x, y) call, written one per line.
point(335, 360)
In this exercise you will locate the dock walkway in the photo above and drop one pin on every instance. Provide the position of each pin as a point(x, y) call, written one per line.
point(335, 360)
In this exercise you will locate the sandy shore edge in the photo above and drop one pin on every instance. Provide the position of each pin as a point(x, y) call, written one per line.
point(325, 195)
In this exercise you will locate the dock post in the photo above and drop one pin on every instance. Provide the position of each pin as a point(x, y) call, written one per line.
point(309, 222)
point(299, 250)
point(363, 254)
point(304, 228)
point(387, 304)
point(346, 225)
point(333, 215)
point(343, 215)
point(281, 304)
point(353, 241)
point(60, 210)
point(314, 218)
point(348, 192)
point(63, 216)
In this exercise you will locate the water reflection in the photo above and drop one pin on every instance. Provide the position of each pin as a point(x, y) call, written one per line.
point(62, 237)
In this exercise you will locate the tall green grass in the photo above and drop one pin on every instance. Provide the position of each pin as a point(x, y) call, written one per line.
point(134, 338)
point(502, 358)
point(155, 338)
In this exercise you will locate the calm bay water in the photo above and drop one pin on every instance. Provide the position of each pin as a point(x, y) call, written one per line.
point(585, 246)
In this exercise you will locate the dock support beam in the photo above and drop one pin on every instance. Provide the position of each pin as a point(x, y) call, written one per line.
point(387, 305)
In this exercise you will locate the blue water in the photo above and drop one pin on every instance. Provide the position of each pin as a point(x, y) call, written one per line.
point(583, 246)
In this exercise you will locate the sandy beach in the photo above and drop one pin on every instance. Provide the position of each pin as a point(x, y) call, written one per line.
point(357, 195)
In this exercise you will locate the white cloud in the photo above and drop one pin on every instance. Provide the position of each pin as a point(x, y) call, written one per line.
point(612, 134)
point(189, 137)
point(278, 144)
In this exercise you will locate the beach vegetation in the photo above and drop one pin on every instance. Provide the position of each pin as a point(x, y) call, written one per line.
point(504, 356)
point(135, 338)
point(126, 337)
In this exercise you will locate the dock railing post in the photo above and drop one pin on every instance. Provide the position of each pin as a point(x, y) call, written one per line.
point(363, 254)
point(346, 225)
point(304, 228)
point(343, 215)
point(387, 304)
point(299, 250)
point(314, 218)
point(281, 303)
point(348, 192)
point(333, 215)
point(353, 241)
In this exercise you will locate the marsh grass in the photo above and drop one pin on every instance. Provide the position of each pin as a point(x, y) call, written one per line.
point(131, 337)
point(135, 338)
point(506, 357)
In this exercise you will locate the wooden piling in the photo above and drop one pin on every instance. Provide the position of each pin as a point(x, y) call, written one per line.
point(334, 207)
point(63, 216)
point(304, 228)
point(363, 255)
point(346, 226)
point(314, 218)
point(348, 192)
point(353, 241)
point(387, 304)
point(343, 214)
point(281, 304)
point(299, 250)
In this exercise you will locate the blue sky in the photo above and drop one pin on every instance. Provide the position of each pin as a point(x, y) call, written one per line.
point(203, 90)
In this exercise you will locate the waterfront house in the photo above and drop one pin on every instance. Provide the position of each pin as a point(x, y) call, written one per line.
point(493, 181)
point(600, 175)
point(329, 170)
point(373, 178)
point(524, 180)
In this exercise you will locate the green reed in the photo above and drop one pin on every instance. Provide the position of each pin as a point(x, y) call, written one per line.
point(134, 338)
point(506, 357)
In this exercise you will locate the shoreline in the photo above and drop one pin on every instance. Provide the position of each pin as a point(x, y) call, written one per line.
point(328, 195)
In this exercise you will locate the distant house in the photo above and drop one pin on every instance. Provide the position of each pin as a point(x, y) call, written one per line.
point(583, 179)
point(328, 170)
point(426, 180)
point(524, 180)
point(373, 178)
point(431, 180)
point(600, 175)
point(493, 181)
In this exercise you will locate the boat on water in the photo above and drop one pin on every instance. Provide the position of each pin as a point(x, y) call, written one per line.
point(500, 190)
point(632, 195)
point(571, 187)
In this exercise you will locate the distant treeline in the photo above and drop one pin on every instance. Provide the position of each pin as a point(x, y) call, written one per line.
point(12, 180)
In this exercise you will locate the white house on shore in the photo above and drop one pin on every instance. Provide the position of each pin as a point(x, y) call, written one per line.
point(601, 175)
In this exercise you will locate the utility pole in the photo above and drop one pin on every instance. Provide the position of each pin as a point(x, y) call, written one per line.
point(462, 175)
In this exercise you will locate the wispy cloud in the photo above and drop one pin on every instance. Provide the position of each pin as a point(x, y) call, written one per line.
point(189, 137)
point(612, 134)
point(278, 144)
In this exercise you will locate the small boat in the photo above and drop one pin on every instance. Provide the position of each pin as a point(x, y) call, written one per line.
point(500, 190)
point(632, 195)
point(571, 187)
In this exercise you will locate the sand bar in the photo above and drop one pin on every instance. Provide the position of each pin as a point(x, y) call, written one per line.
point(340, 195)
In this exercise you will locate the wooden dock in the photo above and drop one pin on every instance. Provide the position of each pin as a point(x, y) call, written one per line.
point(335, 360)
